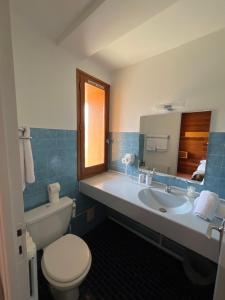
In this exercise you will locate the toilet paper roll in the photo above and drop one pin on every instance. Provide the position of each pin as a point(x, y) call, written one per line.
point(53, 192)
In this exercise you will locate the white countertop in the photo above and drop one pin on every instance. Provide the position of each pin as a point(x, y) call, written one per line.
point(120, 192)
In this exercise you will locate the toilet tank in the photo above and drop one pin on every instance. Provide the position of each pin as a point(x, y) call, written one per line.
point(49, 222)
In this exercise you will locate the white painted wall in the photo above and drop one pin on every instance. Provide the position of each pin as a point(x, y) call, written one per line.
point(46, 79)
point(167, 124)
point(194, 73)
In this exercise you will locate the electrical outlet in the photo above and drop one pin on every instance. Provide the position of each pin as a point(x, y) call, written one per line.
point(90, 215)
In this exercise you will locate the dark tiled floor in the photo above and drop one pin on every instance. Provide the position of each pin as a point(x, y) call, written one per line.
point(125, 267)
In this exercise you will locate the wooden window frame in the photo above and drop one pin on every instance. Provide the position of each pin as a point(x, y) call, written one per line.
point(82, 172)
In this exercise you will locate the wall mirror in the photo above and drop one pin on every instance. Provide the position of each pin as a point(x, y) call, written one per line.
point(175, 143)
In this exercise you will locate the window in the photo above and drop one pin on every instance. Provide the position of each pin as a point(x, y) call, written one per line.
point(92, 124)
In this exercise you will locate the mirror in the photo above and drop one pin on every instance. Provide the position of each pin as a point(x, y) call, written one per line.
point(175, 143)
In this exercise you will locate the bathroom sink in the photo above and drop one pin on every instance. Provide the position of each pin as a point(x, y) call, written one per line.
point(174, 202)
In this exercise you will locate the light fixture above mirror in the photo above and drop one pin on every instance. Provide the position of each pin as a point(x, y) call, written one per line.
point(170, 107)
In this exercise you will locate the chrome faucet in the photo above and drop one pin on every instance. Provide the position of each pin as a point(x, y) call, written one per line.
point(168, 188)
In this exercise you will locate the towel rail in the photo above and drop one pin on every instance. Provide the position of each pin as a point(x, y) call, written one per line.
point(25, 138)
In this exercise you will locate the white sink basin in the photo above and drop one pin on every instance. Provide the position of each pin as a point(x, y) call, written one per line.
point(174, 202)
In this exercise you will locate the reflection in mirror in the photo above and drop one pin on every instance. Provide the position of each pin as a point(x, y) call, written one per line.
point(175, 143)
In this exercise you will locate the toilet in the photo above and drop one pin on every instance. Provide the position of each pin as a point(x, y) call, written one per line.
point(66, 259)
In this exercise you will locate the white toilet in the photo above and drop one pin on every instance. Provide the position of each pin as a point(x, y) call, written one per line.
point(66, 259)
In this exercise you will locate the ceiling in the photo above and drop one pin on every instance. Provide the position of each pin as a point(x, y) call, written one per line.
point(54, 17)
point(119, 33)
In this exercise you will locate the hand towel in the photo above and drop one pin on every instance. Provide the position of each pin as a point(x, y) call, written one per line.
point(150, 144)
point(21, 148)
point(28, 157)
point(206, 205)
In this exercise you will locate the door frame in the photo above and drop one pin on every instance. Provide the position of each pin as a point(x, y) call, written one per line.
point(13, 265)
point(83, 172)
point(219, 290)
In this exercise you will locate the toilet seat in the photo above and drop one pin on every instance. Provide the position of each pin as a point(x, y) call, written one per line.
point(66, 285)
point(66, 261)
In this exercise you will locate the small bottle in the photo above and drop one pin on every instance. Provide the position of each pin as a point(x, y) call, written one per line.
point(148, 178)
point(141, 178)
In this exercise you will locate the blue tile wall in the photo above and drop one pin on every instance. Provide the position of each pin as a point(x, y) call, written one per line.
point(215, 169)
point(54, 153)
point(55, 160)
point(79, 224)
point(174, 181)
point(123, 142)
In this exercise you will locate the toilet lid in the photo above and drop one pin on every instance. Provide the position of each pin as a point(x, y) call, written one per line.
point(66, 259)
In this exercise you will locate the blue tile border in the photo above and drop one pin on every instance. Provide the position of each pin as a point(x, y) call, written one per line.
point(123, 142)
point(215, 168)
point(55, 159)
point(54, 153)
point(80, 226)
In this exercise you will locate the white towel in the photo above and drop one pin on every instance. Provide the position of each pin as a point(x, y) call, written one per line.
point(26, 158)
point(21, 147)
point(150, 144)
point(206, 205)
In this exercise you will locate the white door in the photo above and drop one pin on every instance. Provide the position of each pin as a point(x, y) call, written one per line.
point(13, 263)
point(219, 293)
